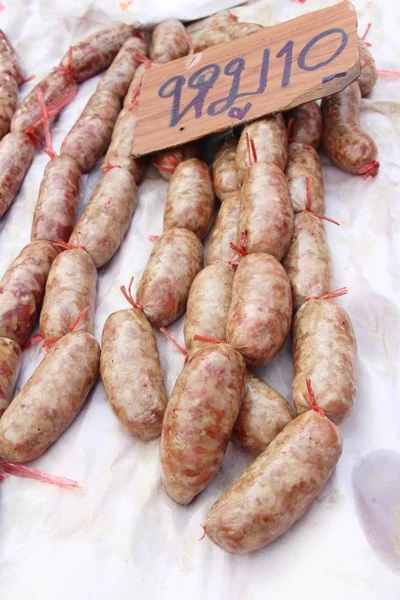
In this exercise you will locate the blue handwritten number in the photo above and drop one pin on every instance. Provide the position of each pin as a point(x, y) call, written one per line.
point(288, 51)
point(301, 61)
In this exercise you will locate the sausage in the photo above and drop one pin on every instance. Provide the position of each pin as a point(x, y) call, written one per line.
point(308, 262)
point(175, 260)
point(70, 287)
point(199, 420)
point(190, 198)
point(264, 413)
point(22, 290)
point(96, 52)
point(345, 143)
point(224, 174)
point(119, 151)
point(224, 232)
point(89, 137)
point(217, 22)
point(16, 155)
point(212, 36)
point(278, 487)
point(119, 75)
point(140, 71)
point(10, 365)
point(169, 41)
point(8, 101)
point(57, 204)
point(51, 398)
point(167, 160)
point(266, 211)
point(324, 351)
point(261, 309)
point(306, 125)
point(208, 305)
point(304, 162)
point(106, 218)
point(270, 141)
point(369, 74)
point(9, 60)
point(131, 373)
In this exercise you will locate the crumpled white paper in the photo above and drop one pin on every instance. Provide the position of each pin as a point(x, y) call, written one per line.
point(121, 536)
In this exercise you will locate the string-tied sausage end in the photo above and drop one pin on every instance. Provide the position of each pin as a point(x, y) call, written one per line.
point(46, 345)
point(128, 295)
point(204, 533)
point(313, 401)
point(251, 149)
point(48, 148)
point(211, 340)
point(309, 209)
point(370, 170)
point(365, 34)
point(335, 294)
point(9, 468)
point(173, 339)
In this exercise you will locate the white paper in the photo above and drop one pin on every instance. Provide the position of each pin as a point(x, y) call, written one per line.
point(121, 537)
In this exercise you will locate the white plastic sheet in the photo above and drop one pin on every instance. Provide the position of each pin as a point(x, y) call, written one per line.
point(121, 536)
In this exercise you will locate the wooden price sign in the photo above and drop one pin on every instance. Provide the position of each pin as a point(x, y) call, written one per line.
point(272, 70)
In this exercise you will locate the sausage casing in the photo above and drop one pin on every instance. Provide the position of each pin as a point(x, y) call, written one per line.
point(224, 174)
point(212, 35)
point(140, 71)
point(8, 101)
point(304, 162)
point(369, 74)
point(119, 75)
point(307, 124)
point(224, 232)
point(9, 60)
point(10, 364)
point(169, 41)
point(119, 152)
point(166, 161)
point(16, 155)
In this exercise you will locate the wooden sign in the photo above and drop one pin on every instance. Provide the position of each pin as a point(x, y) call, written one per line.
point(272, 70)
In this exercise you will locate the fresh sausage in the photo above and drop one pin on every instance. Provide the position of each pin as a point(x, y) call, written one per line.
point(264, 413)
point(10, 364)
point(131, 373)
point(8, 101)
point(51, 398)
point(224, 232)
point(261, 310)
point(369, 74)
point(9, 60)
point(278, 487)
point(119, 151)
point(22, 290)
point(190, 198)
point(16, 154)
point(324, 351)
point(208, 305)
point(345, 143)
point(70, 287)
point(91, 134)
point(224, 174)
point(217, 22)
point(308, 262)
point(57, 204)
point(106, 218)
point(270, 141)
point(119, 75)
point(169, 41)
point(212, 36)
point(304, 162)
point(166, 161)
point(133, 88)
point(266, 211)
point(306, 127)
point(199, 420)
point(96, 52)
point(163, 290)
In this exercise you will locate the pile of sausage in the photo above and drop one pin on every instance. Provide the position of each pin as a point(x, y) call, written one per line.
point(268, 274)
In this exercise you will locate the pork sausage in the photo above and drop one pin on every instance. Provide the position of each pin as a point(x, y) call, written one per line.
point(10, 364)
point(9, 60)
point(224, 174)
point(8, 101)
point(167, 160)
point(133, 88)
point(369, 74)
point(119, 75)
point(217, 22)
point(51, 398)
point(16, 155)
point(199, 420)
point(304, 162)
point(176, 258)
point(119, 151)
point(169, 41)
point(224, 232)
point(261, 309)
point(306, 126)
point(212, 36)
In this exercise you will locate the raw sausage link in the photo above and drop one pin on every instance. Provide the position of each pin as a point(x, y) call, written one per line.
point(119, 150)
point(131, 373)
point(119, 75)
point(140, 71)
point(270, 140)
point(169, 41)
point(308, 262)
point(303, 161)
point(307, 124)
point(51, 398)
point(96, 52)
point(224, 232)
point(91, 134)
point(213, 36)
point(10, 364)
point(278, 487)
point(264, 413)
point(163, 290)
point(324, 351)
point(71, 286)
point(217, 22)
point(345, 143)
point(199, 420)
point(190, 198)
point(266, 211)
point(58, 200)
point(369, 75)
point(16, 155)
point(225, 179)
point(208, 305)
point(261, 310)
point(22, 290)
point(9, 60)
point(8, 101)
point(106, 219)
point(166, 161)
